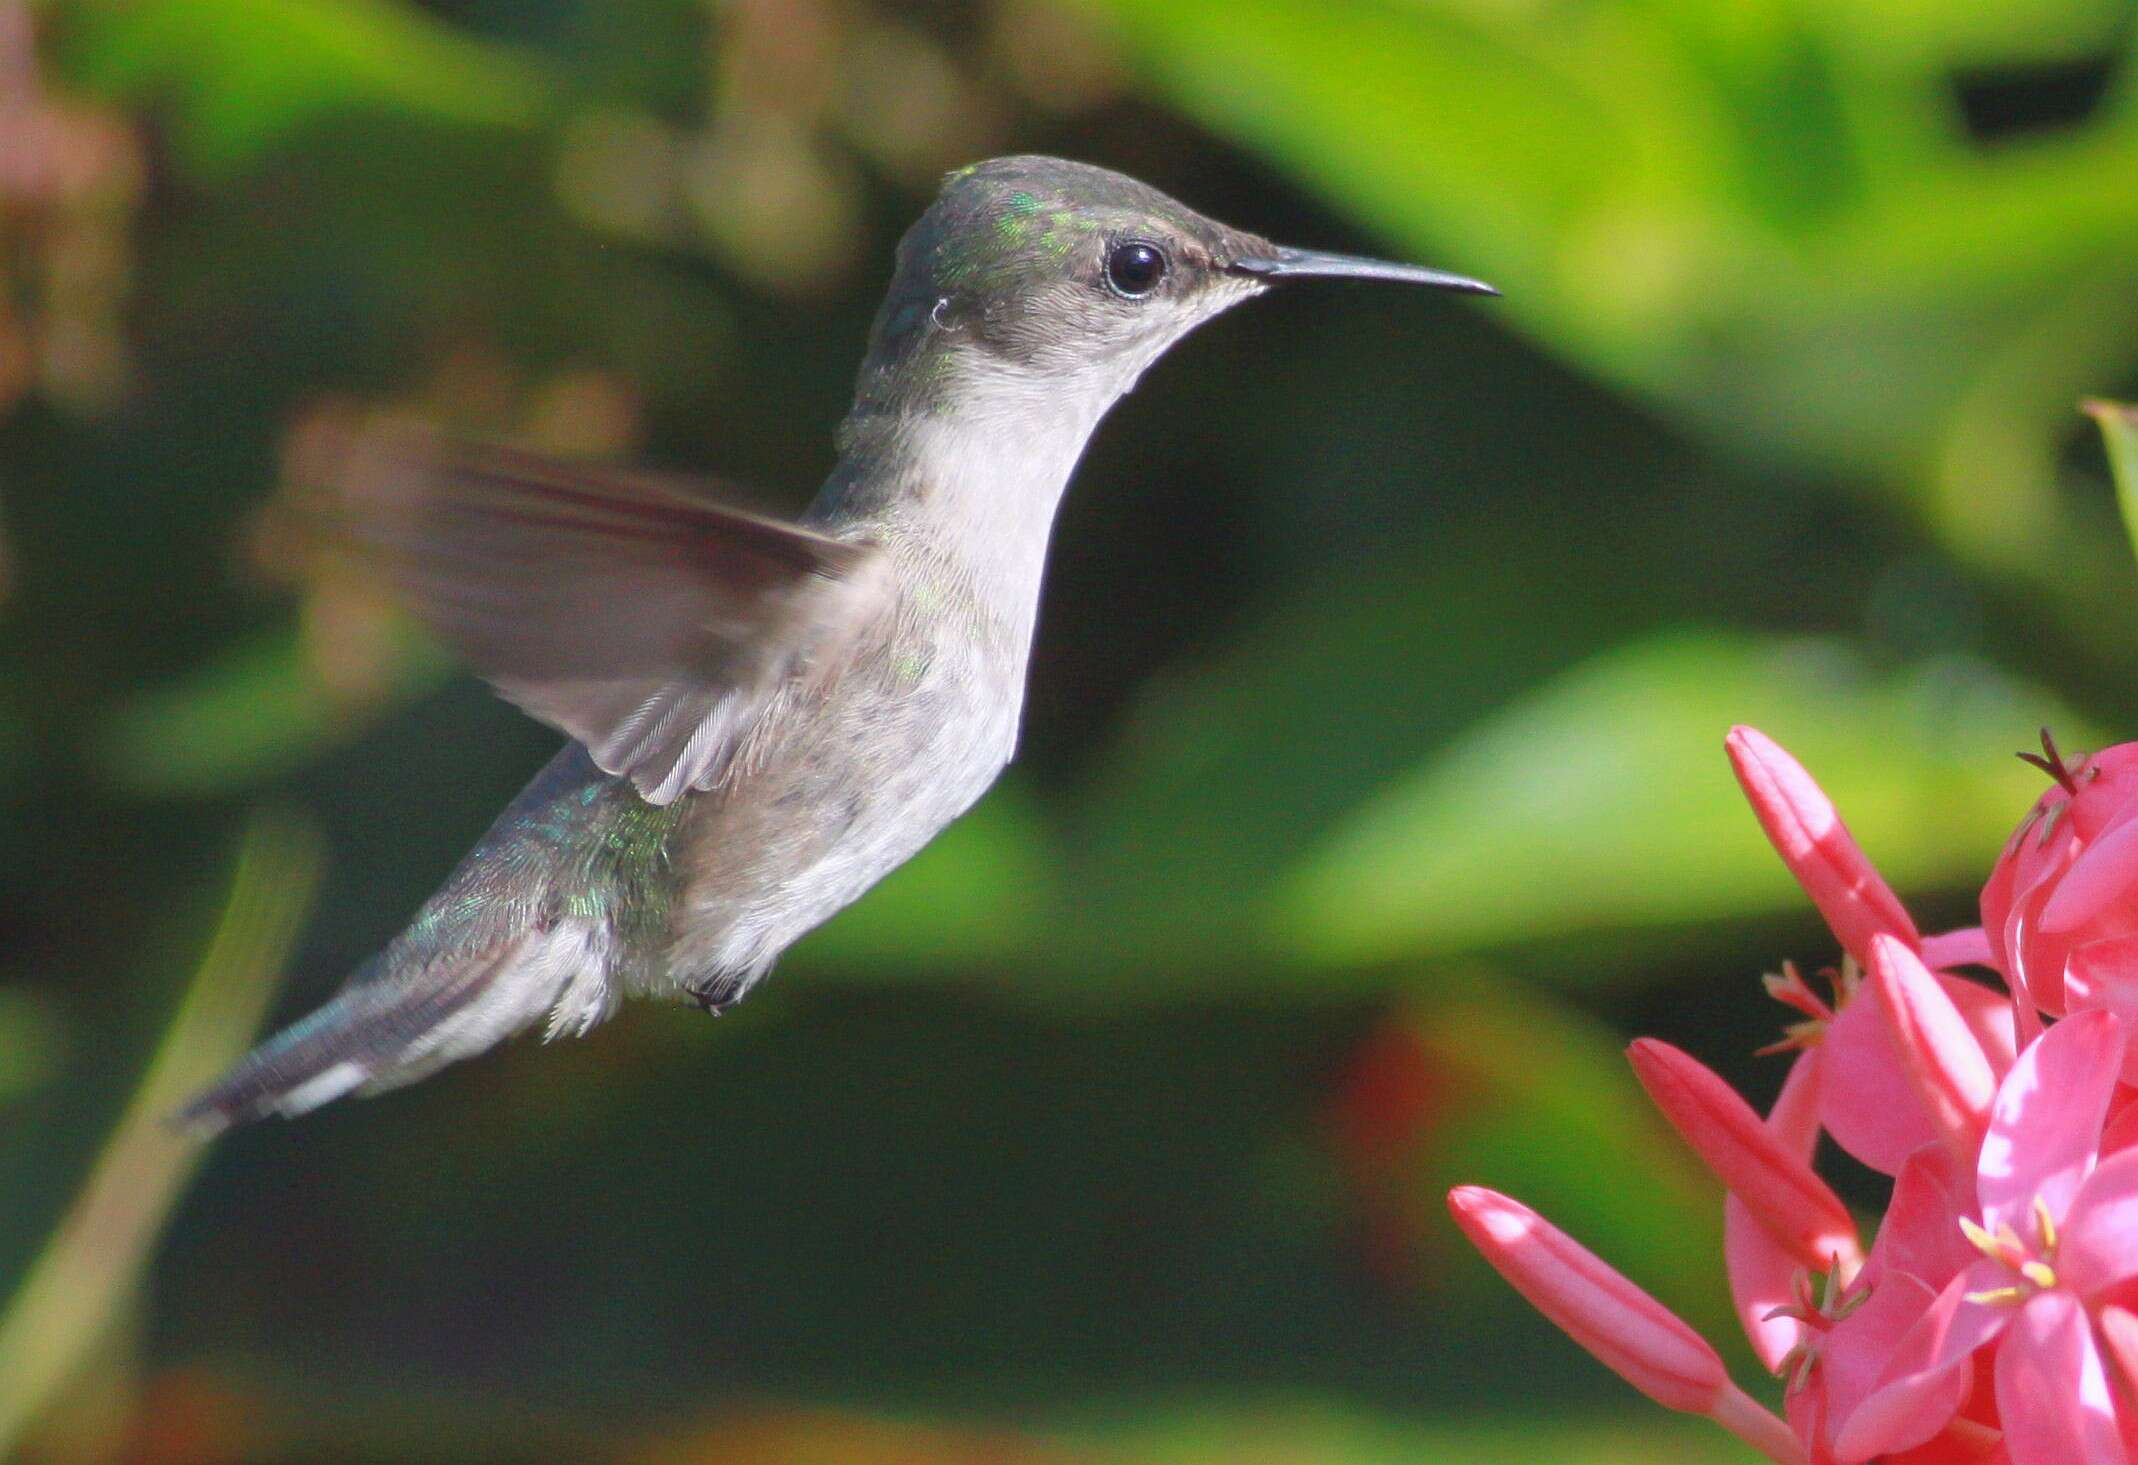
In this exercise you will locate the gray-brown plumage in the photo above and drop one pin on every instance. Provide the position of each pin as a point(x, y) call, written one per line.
point(766, 717)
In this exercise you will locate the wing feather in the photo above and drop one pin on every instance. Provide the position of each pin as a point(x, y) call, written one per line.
point(651, 625)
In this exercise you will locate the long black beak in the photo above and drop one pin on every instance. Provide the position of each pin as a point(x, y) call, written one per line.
point(1291, 264)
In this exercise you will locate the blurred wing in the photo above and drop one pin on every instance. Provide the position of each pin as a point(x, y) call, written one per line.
point(650, 625)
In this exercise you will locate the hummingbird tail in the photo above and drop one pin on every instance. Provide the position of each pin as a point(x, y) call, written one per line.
point(386, 1029)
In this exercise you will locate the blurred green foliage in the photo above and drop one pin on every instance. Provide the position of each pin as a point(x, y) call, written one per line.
point(2119, 430)
point(1771, 217)
point(85, 1279)
point(239, 76)
point(1373, 789)
point(1619, 754)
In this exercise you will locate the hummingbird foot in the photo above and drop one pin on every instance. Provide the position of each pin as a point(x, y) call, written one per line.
point(711, 1000)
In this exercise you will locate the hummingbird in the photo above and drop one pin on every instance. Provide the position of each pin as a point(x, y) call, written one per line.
point(765, 717)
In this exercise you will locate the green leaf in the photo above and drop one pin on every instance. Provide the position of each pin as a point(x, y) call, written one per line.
point(1223, 776)
point(2119, 431)
point(255, 712)
point(87, 1275)
point(1765, 216)
point(243, 74)
point(1602, 800)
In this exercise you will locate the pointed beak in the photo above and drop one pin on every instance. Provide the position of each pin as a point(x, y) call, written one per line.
point(1299, 264)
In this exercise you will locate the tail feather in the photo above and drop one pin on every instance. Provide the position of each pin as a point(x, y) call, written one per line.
point(391, 1027)
point(362, 1040)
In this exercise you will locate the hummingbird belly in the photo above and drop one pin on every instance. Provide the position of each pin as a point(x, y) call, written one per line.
point(841, 795)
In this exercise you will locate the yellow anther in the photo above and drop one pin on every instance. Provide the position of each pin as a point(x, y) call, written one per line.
point(1997, 1296)
point(2041, 1274)
point(2046, 1222)
point(1980, 1239)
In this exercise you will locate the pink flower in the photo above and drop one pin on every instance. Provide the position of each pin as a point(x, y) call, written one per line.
point(1763, 1272)
point(1942, 1060)
point(1849, 1340)
point(1631, 1333)
point(2060, 910)
point(1995, 1319)
point(1796, 1208)
point(1864, 1100)
point(1816, 846)
point(2055, 1229)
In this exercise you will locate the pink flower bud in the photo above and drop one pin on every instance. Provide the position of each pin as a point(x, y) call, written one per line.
point(1811, 839)
point(2059, 911)
point(1631, 1333)
point(1762, 1271)
point(1944, 1064)
point(1795, 1206)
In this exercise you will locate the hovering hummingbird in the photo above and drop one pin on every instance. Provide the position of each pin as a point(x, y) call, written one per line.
point(766, 718)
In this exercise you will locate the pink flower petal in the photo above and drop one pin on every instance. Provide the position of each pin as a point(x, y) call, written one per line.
point(1816, 846)
point(2105, 796)
point(1778, 1187)
point(1867, 1103)
point(1807, 1414)
point(2104, 974)
point(1865, 1100)
point(1945, 1066)
point(2046, 1124)
point(2121, 1131)
point(1854, 1356)
point(2036, 970)
point(2099, 1245)
point(2104, 871)
point(1988, 1014)
point(1920, 1233)
point(1967, 946)
point(1761, 1269)
point(1762, 1272)
point(1631, 1333)
point(2022, 882)
point(2098, 968)
point(2119, 1339)
point(1961, 1443)
point(1930, 1373)
point(2053, 1393)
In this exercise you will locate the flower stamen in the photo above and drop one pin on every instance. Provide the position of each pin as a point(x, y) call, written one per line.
point(2007, 1249)
point(2049, 819)
point(2052, 762)
point(1789, 988)
point(1815, 1318)
point(1990, 1246)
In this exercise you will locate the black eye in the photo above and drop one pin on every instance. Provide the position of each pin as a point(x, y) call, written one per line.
point(1135, 268)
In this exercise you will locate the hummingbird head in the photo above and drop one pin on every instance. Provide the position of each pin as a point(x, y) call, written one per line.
point(1046, 276)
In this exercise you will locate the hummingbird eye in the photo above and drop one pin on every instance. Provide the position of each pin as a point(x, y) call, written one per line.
point(1134, 268)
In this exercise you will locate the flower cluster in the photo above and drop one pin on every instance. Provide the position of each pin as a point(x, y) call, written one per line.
point(1994, 1316)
